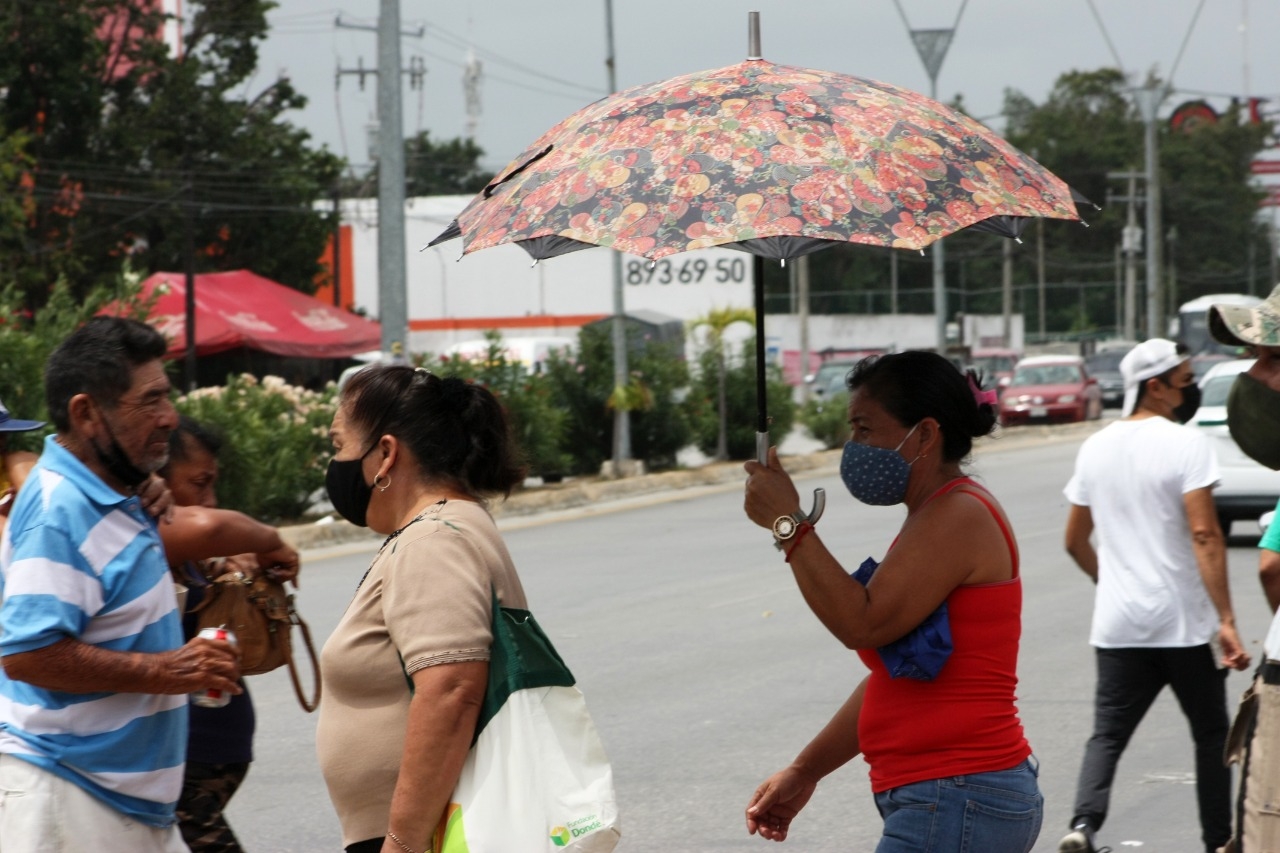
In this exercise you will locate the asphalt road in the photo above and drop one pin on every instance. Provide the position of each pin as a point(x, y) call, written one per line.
point(705, 671)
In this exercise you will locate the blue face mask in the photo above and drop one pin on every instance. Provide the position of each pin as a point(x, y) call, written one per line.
point(876, 475)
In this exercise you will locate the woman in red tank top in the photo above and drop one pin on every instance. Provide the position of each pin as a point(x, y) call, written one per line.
point(937, 622)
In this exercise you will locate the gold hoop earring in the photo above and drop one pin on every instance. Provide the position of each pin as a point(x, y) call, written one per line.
point(385, 486)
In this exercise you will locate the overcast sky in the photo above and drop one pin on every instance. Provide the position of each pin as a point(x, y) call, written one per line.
point(543, 61)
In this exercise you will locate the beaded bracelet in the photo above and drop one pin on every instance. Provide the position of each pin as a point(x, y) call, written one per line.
point(801, 531)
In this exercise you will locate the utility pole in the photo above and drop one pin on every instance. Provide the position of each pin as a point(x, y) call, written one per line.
point(1149, 100)
point(621, 417)
point(1040, 285)
point(1131, 246)
point(393, 309)
point(932, 45)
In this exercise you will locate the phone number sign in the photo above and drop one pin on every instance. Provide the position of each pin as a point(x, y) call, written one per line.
point(688, 284)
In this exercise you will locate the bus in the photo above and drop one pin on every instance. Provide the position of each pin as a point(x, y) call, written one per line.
point(1192, 325)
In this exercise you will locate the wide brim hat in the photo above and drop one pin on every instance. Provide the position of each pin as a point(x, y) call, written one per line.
point(1147, 360)
point(8, 423)
point(1238, 326)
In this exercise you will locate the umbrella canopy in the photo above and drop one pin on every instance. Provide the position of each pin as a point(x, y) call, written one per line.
point(772, 159)
point(242, 309)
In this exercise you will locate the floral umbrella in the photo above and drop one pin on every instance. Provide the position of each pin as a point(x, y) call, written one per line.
point(774, 160)
point(783, 160)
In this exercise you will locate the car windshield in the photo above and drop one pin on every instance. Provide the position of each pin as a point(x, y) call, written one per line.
point(1047, 374)
point(989, 364)
point(1215, 391)
point(1105, 362)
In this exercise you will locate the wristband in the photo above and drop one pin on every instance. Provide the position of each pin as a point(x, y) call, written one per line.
point(802, 530)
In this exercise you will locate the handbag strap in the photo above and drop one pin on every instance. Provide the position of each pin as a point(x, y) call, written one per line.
point(308, 706)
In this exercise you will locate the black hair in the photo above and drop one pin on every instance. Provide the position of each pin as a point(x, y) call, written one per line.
point(1165, 378)
point(188, 432)
point(915, 385)
point(456, 429)
point(98, 359)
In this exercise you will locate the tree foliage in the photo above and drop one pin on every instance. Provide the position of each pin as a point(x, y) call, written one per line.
point(449, 167)
point(127, 142)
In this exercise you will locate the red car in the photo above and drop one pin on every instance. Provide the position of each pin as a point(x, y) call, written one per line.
point(1050, 389)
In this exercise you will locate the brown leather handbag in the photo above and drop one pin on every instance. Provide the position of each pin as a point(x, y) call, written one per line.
point(261, 614)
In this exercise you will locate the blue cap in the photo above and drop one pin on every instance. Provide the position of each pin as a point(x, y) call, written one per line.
point(8, 423)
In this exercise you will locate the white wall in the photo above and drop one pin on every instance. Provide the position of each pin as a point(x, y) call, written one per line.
point(501, 287)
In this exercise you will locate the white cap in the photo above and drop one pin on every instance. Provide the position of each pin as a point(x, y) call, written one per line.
point(1147, 360)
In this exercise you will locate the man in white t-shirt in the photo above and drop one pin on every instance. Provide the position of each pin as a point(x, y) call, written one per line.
point(1145, 485)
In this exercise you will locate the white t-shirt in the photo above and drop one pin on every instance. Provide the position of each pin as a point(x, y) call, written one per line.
point(1132, 476)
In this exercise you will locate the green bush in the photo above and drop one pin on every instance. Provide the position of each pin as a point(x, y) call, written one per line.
point(740, 398)
point(535, 419)
point(275, 442)
point(581, 388)
point(827, 419)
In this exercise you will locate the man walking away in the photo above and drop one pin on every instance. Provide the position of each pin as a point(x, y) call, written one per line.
point(1145, 485)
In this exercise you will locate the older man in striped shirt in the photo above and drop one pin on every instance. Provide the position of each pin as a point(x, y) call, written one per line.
point(96, 677)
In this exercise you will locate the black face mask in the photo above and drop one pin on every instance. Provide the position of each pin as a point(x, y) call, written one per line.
point(1186, 410)
point(1253, 417)
point(348, 492)
point(118, 463)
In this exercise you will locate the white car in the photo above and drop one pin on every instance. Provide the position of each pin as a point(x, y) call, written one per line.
point(1247, 489)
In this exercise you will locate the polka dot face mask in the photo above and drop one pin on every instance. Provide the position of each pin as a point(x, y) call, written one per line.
point(876, 475)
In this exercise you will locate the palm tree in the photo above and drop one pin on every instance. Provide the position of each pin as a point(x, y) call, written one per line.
point(717, 321)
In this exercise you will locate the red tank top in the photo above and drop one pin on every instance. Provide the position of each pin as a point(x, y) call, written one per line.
point(965, 720)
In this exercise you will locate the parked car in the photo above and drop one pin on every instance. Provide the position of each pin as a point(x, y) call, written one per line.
point(1246, 489)
point(1050, 389)
point(995, 366)
point(1104, 366)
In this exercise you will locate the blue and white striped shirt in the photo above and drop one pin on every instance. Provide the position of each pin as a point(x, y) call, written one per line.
point(79, 560)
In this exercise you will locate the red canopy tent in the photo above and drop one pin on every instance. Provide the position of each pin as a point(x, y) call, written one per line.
point(241, 309)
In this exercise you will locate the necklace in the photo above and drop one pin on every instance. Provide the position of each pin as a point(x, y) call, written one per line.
point(431, 510)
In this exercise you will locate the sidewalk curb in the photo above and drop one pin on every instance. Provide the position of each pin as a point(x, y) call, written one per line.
point(590, 491)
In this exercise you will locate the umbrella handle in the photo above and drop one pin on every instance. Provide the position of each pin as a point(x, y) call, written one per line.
point(819, 494)
point(819, 505)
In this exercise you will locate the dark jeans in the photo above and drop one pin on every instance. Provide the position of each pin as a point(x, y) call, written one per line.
point(1128, 682)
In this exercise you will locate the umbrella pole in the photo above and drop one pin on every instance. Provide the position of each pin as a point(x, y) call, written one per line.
point(762, 403)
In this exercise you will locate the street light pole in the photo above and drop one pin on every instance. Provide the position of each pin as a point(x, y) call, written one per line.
point(932, 46)
point(1149, 103)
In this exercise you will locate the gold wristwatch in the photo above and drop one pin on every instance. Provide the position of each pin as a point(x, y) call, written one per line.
point(785, 527)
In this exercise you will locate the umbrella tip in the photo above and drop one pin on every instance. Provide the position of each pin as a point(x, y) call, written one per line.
point(1018, 240)
point(753, 36)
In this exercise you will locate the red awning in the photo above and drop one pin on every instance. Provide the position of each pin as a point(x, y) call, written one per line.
point(241, 309)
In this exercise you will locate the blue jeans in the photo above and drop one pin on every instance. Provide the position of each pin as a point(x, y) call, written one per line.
point(997, 812)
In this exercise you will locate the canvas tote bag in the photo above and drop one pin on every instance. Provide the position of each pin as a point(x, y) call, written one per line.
point(537, 778)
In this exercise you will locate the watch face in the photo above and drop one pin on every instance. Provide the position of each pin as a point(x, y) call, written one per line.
point(784, 527)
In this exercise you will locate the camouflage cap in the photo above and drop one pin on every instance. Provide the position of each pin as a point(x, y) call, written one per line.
point(1238, 326)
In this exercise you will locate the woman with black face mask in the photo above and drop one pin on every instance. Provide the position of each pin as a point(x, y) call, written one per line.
point(937, 621)
point(415, 457)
